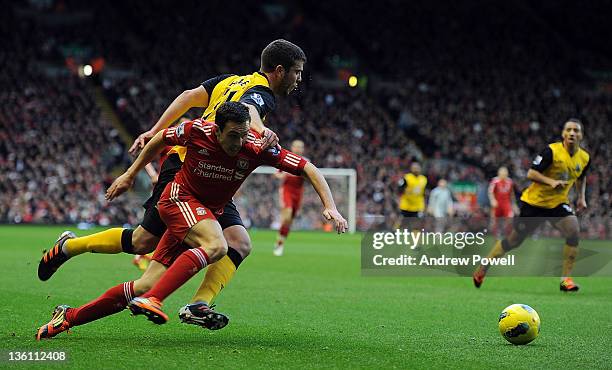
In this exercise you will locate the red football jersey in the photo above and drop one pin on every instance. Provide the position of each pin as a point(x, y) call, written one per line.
point(213, 176)
point(502, 190)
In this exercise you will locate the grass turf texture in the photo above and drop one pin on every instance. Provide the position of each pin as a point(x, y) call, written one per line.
point(310, 308)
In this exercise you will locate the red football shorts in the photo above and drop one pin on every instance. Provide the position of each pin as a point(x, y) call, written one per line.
point(180, 211)
point(168, 249)
point(503, 210)
point(291, 198)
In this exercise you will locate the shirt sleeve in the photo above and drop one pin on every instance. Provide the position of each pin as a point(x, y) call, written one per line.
point(584, 171)
point(210, 84)
point(179, 135)
point(284, 160)
point(261, 97)
point(402, 183)
point(543, 160)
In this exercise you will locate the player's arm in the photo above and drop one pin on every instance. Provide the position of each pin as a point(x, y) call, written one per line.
point(515, 208)
point(581, 204)
point(401, 185)
point(152, 172)
point(330, 212)
point(432, 200)
point(450, 210)
point(491, 193)
point(151, 151)
point(292, 163)
point(260, 100)
point(193, 98)
point(280, 175)
point(539, 165)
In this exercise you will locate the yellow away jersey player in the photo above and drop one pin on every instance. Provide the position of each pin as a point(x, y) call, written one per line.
point(253, 89)
point(412, 200)
point(557, 163)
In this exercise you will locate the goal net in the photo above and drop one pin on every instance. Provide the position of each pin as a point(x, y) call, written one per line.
point(258, 200)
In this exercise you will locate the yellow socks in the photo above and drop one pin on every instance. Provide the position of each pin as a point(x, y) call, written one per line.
point(108, 242)
point(569, 259)
point(497, 250)
point(217, 277)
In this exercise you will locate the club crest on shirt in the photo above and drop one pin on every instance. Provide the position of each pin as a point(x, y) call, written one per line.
point(274, 151)
point(537, 160)
point(242, 163)
point(180, 129)
point(257, 99)
point(577, 167)
point(201, 211)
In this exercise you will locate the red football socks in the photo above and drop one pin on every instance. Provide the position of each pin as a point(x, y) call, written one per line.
point(112, 301)
point(185, 266)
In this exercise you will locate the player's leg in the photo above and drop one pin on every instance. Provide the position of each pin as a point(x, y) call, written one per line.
point(116, 240)
point(523, 226)
point(146, 237)
point(112, 301)
point(207, 246)
point(219, 274)
point(570, 229)
point(494, 223)
point(141, 240)
point(286, 219)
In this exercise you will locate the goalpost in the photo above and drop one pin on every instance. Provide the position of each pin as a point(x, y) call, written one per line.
point(258, 203)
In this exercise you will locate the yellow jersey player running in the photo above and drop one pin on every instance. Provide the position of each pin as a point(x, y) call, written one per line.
point(412, 199)
point(554, 171)
point(282, 63)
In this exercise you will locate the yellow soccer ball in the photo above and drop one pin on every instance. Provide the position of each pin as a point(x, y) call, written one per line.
point(519, 324)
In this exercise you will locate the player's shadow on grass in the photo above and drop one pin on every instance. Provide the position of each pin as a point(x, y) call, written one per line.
point(169, 340)
point(240, 340)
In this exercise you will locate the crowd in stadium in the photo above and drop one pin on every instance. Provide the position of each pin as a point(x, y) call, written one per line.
point(454, 96)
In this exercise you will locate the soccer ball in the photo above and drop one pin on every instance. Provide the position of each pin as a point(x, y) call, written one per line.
point(519, 324)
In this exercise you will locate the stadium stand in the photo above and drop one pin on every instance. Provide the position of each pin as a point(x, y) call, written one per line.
point(464, 96)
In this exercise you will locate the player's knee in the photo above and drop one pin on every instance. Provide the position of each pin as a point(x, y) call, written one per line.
point(216, 249)
point(241, 245)
point(143, 241)
point(512, 242)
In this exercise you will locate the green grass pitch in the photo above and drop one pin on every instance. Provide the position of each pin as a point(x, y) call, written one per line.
point(311, 308)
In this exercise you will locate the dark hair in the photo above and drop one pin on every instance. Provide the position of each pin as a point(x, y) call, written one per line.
point(574, 120)
point(232, 111)
point(281, 52)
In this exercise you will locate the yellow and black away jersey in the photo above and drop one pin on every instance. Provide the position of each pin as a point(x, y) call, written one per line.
point(413, 197)
point(557, 163)
point(253, 89)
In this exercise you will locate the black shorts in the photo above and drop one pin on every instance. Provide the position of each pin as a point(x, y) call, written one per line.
point(412, 214)
point(153, 223)
point(530, 217)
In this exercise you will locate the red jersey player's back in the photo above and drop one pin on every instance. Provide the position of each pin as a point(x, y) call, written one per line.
point(212, 175)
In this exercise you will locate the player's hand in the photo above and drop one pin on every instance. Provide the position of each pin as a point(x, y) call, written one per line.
point(556, 184)
point(493, 203)
point(581, 205)
point(140, 142)
point(270, 139)
point(339, 221)
point(119, 186)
